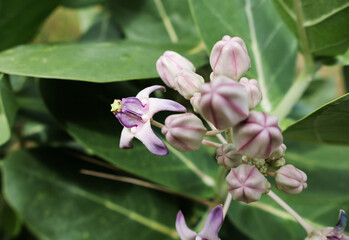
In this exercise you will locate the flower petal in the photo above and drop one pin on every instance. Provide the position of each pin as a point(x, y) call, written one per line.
point(157, 105)
point(144, 94)
point(213, 224)
point(126, 138)
point(184, 232)
point(146, 135)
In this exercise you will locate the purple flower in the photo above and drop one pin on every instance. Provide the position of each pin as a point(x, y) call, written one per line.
point(337, 232)
point(135, 113)
point(209, 232)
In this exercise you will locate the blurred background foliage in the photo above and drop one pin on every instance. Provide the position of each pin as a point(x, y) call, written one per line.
point(64, 61)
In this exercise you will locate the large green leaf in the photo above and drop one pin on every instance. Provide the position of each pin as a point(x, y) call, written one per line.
point(95, 62)
point(80, 3)
point(319, 204)
point(8, 109)
point(271, 47)
point(56, 202)
point(328, 124)
point(326, 24)
point(157, 21)
point(20, 19)
point(88, 119)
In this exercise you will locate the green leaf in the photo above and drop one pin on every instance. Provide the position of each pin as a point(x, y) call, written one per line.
point(155, 21)
point(81, 3)
point(319, 204)
point(20, 19)
point(95, 62)
point(10, 223)
point(326, 24)
point(57, 202)
point(88, 119)
point(8, 109)
point(271, 47)
point(328, 124)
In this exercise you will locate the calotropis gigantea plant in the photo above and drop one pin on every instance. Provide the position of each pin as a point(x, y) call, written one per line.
point(252, 150)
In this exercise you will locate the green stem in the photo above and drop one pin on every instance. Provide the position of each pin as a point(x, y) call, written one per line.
point(293, 95)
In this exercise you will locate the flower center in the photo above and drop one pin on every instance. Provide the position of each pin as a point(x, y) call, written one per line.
point(116, 106)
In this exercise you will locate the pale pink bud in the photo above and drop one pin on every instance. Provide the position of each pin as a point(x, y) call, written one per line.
point(195, 100)
point(184, 131)
point(253, 91)
point(227, 156)
point(258, 136)
point(229, 57)
point(171, 63)
point(278, 153)
point(290, 179)
point(187, 83)
point(246, 183)
point(223, 102)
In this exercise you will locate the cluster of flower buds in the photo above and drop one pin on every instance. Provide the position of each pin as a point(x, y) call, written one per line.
point(227, 102)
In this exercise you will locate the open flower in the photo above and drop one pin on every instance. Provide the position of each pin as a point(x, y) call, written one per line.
point(135, 113)
point(209, 232)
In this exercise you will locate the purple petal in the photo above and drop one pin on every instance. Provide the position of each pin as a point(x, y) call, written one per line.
point(146, 135)
point(184, 232)
point(213, 224)
point(144, 94)
point(342, 222)
point(131, 113)
point(126, 138)
point(157, 105)
point(129, 120)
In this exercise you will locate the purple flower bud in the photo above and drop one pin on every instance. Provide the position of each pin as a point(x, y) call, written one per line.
point(258, 136)
point(223, 102)
point(171, 63)
point(253, 91)
point(246, 183)
point(184, 131)
point(290, 179)
point(229, 57)
point(278, 153)
point(187, 83)
point(228, 157)
point(195, 100)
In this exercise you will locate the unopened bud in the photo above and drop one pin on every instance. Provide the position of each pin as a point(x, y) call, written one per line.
point(184, 131)
point(258, 136)
point(278, 153)
point(290, 179)
point(227, 156)
point(253, 91)
point(223, 102)
point(195, 100)
point(278, 163)
point(246, 183)
point(171, 63)
point(187, 83)
point(229, 57)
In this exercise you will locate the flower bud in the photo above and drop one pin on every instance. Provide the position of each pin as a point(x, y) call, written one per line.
point(229, 57)
point(187, 83)
point(195, 100)
point(171, 63)
point(278, 163)
point(253, 91)
point(223, 102)
point(228, 157)
point(246, 183)
point(184, 131)
point(278, 153)
point(290, 179)
point(258, 136)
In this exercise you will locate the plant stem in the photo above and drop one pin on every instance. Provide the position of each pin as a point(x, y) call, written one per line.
point(211, 144)
point(227, 204)
point(213, 132)
point(307, 227)
point(219, 136)
point(157, 124)
point(293, 95)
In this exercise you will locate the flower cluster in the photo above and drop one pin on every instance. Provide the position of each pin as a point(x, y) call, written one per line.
point(227, 102)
